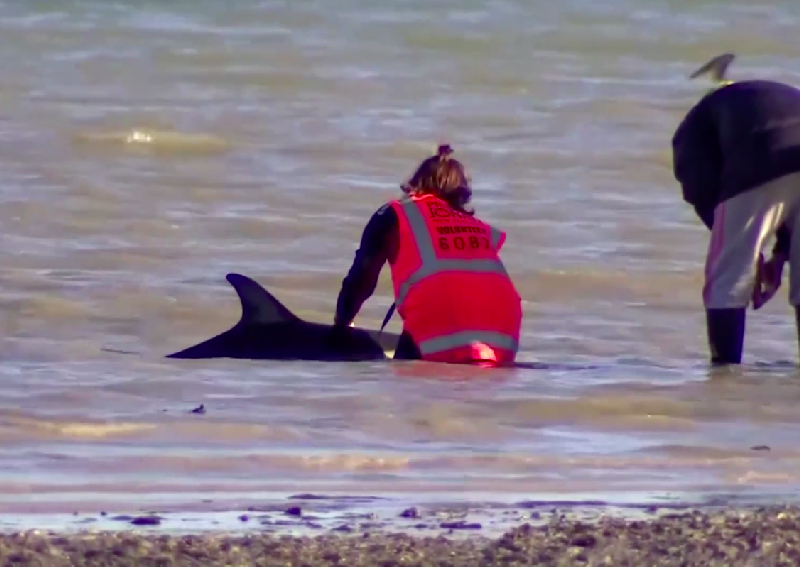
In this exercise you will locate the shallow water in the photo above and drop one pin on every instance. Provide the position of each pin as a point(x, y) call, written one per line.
point(147, 149)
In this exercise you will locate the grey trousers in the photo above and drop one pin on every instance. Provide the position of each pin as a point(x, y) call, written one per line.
point(742, 226)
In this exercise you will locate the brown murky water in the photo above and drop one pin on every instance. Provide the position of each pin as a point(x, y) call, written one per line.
point(147, 150)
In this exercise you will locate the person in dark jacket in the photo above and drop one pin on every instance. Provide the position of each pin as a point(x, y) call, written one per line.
point(737, 157)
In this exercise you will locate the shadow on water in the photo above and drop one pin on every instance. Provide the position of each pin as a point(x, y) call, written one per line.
point(434, 370)
point(119, 351)
point(777, 368)
point(541, 366)
point(758, 369)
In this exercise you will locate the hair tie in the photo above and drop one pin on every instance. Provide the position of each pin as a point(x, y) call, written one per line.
point(444, 151)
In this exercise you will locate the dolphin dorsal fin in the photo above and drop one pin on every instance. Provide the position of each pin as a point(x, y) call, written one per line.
point(716, 68)
point(258, 305)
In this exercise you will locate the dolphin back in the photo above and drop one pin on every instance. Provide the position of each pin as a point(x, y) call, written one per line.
point(267, 330)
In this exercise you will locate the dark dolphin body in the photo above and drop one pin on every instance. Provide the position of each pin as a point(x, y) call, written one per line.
point(269, 331)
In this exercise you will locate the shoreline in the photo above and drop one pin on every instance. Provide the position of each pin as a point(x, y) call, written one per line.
point(545, 535)
point(313, 513)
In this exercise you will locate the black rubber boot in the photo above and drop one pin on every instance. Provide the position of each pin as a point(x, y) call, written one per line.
point(725, 335)
point(797, 322)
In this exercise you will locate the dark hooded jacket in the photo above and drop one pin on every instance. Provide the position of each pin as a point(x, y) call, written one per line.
point(735, 139)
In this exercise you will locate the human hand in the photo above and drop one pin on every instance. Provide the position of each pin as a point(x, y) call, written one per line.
point(769, 275)
point(340, 333)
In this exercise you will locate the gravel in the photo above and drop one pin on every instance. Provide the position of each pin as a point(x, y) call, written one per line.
point(763, 536)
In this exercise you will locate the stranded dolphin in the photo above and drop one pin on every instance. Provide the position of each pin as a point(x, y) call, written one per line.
point(269, 331)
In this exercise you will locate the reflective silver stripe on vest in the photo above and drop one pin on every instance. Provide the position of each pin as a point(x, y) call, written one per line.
point(465, 338)
point(496, 234)
point(430, 264)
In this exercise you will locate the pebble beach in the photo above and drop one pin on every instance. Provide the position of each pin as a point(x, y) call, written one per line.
point(762, 536)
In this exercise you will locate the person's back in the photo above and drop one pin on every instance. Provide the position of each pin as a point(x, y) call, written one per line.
point(453, 292)
point(735, 139)
point(758, 123)
point(456, 299)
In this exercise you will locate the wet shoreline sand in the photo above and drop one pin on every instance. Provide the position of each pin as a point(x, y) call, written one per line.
point(594, 535)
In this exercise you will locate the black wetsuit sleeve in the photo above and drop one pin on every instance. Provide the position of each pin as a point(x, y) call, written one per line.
point(361, 280)
point(697, 161)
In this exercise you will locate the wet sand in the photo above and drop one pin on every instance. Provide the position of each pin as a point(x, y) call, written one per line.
point(742, 536)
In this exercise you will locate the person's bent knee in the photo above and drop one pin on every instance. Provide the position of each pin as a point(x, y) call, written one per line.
point(794, 296)
point(728, 299)
point(731, 304)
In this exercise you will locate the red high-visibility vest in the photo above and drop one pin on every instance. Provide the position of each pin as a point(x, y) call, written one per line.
point(451, 288)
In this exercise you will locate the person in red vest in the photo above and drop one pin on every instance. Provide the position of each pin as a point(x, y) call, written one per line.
point(457, 302)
